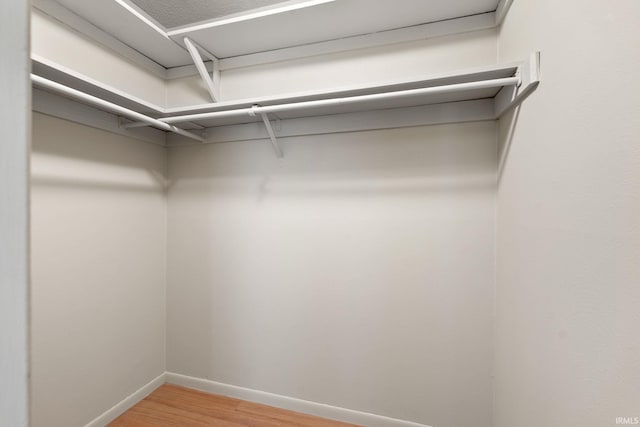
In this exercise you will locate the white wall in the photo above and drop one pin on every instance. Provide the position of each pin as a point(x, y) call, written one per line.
point(356, 272)
point(375, 243)
point(386, 322)
point(15, 118)
point(568, 294)
point(98, 253)
point(366, 66)
point(61, 44)
point(335, 275)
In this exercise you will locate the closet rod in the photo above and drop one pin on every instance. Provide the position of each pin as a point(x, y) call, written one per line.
point(257, 110)
point(81, 96)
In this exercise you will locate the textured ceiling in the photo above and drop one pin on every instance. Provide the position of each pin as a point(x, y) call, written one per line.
point(175, 13)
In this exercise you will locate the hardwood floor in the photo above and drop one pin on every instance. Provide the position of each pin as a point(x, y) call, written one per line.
point(174, 406)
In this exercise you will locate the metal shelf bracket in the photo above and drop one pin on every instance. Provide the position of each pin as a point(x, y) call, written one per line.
point(212, 82)
point(528, 75)
point(267, 124)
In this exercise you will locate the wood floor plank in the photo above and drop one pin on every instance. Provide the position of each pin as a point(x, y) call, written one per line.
point(175, 406)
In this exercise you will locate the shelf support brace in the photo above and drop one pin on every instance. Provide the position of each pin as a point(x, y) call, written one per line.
point(272, 135)
point(528, 75)
point(123, 123)
point(212, 81)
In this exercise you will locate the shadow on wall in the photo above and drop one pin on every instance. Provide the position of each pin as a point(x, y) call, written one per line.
point(508, 124)
point(356, 272)
point(98, 223)
point(79, 157)
point(437, 158)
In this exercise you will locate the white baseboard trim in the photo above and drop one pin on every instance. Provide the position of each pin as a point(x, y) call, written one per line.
point(128, 402)
point(289, 403)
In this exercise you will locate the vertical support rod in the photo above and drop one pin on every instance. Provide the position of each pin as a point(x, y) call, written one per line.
point(272, 136)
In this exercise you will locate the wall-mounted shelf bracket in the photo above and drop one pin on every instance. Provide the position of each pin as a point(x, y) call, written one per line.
point(125, 123)
point(212, 82)
point(528, 75)
point(272, 135)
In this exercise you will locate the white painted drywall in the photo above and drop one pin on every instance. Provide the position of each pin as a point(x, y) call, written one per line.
point(98, 266)
point(366, 66)
point(357, 272)
point(15, 120)
point(56, 42)
point(568, 242)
